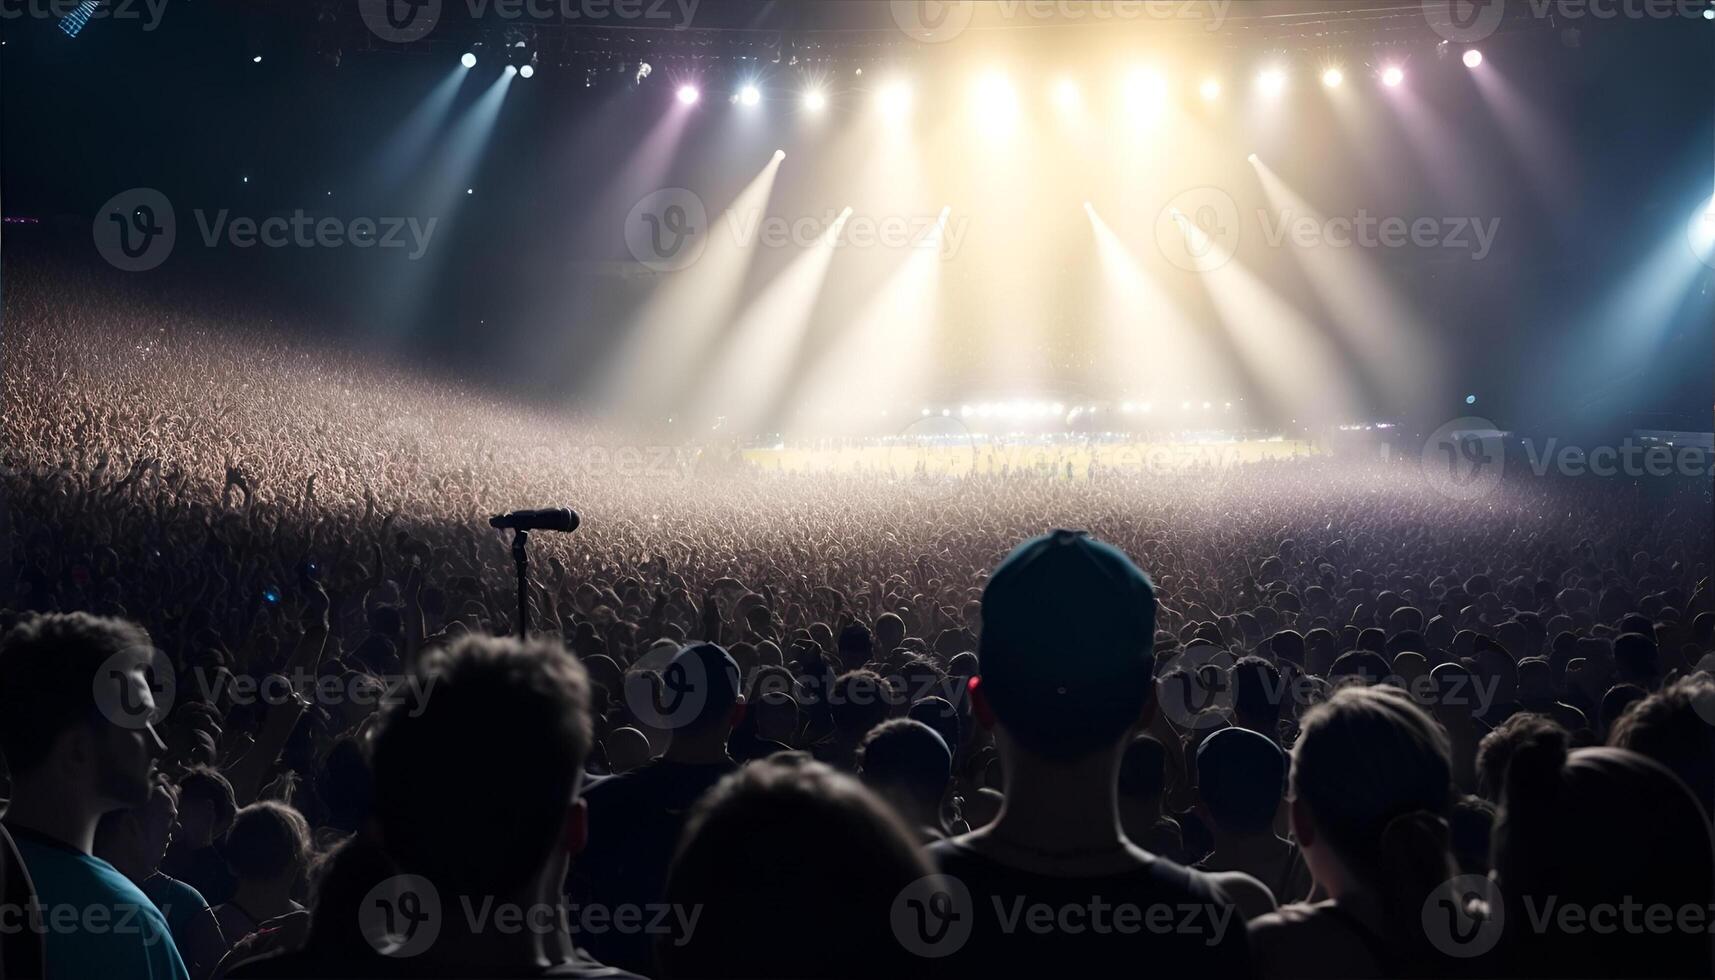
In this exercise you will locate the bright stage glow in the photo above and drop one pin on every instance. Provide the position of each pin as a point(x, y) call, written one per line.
point(469, 60)
point(995, 102)
point(688, 94)
point(528, 71)
point(749, 95)
point(779, 155)
point(256, 60)
point(510, 71)
point(1333, 77)
point(1272, 82)
point(1145, 91)
point(815, 100)
point(894, 99)
point(1252, 158)
point(1473, 58)
point(1392, 76)
point(1210, 89)
point(1066, 95)
point(1709, 14)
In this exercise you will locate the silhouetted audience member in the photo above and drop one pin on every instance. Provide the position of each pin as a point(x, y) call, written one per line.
point(792, 870)
point(908, 764)
point(1241, 780)
point(1600, 833)
point(77, 733)
point(636, 818)
point(1067, 675)
point(1371, 789)
point(1676, 727)
point(133, 842)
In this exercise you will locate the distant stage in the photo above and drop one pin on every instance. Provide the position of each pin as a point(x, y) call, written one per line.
point(981, 455)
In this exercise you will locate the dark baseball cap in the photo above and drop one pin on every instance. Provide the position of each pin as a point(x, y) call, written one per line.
point(1067, 644)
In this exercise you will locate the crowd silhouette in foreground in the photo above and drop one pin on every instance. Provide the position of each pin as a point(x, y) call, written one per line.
point(1308, 718)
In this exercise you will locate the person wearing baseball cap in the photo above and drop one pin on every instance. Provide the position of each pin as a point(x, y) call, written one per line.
point(1066, 678)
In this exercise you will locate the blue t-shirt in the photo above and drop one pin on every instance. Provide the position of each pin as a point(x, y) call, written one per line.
point(95, 922)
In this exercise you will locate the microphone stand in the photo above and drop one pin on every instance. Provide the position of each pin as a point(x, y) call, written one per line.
point(520, 538)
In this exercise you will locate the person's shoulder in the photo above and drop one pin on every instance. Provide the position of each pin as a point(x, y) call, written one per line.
point(1250, 895)
point(166, 890)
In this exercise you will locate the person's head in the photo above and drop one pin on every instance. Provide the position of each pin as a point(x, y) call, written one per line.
point(206, 807)
point(1241, 777)
point(1676, 727)
point(889, 632)
point(1257, 694)
point(909, 764)
point(859, 702)
point(1636, 660)
point(1601, 827)
point(702, 697)
point(477, 779)
point(77, 710)
point(1495, 750)
point(1616, 701)
point(269, 843)
point(758, 854)
point(1066, 647)
point(776, 716)
point(1372, 782)
point(135, 840)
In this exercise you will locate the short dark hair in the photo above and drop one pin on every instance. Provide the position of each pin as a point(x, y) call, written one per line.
point(907, 754)
point(1257, 690)
point(205, 783)
point(507, 725)
point(1673, 727)
point(48, 668)
point(1495, 751)
point(266, 838)
point(1241, 777)
point(859, 701)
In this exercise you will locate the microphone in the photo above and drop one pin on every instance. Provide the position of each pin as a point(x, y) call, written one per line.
point(550, 519)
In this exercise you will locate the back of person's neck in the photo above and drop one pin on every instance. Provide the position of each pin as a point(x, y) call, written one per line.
point(1060, 807)
point(54, 811)
point(706, 749)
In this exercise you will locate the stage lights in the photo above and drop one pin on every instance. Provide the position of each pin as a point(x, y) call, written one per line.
point(894, 99)
point(995, 102)
point(1333, 78)
point(1145, 91)
point(815, 100)
point(749, 95)
point(1210, 89)
point(1066, 95)
point(528, 71)
point(1392, 76)
point(1473, 57)
point(1272, 82)
point(688, 95)
point(511, 70)
point(469, 60)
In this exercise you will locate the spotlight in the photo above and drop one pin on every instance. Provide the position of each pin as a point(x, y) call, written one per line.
point(749, 95)
point(894, 98)
point(1272, 82)
point(995, 102)
point(1392, 75)
point(469, 60)
point(1211, 89)
point(511, 70)
point(815, 100)
point(1145, 90)
point(528, 71)
point(688, 94)
point(1473, 57)
point(1709, 14)
point(1252, 158)
point(779, 155)
point(1333, 77)
point(256, 60)
point(1066, 95)
point(1470, 399)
